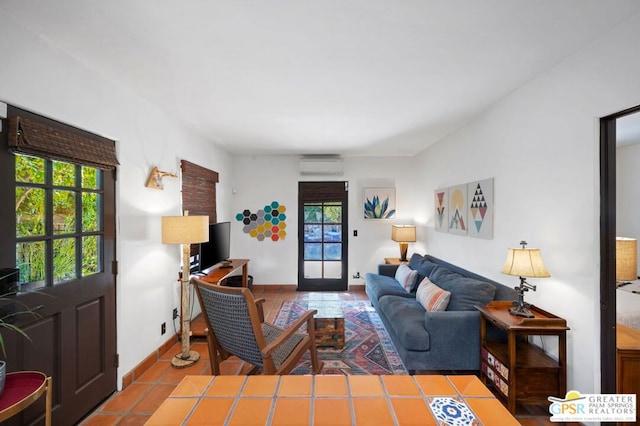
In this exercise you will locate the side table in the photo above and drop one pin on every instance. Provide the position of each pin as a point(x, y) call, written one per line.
point(23, 388)
point(394, 261)
point(520, 371)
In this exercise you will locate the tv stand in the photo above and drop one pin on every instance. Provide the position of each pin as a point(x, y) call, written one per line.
point(215, 276)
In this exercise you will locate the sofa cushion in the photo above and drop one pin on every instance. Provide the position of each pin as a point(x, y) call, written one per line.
point(406, 277)
point(382, 285)
point(465, 292)
point(422, 266)
point(432, 297)
point(406, 318)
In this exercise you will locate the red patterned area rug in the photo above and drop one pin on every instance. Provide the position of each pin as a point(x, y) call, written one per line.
point(368, 348)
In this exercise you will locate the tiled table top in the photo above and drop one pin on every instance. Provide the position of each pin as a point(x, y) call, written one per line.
point(331, 400)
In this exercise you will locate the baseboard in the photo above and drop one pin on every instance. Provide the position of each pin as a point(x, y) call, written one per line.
point(146, 363)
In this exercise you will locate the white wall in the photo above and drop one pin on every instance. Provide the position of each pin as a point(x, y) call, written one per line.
point(627, 194)
point(39, 78)
point(260, 180)
point(541, 145)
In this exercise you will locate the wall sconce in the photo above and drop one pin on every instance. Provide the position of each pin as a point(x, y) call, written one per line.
point(155, 178)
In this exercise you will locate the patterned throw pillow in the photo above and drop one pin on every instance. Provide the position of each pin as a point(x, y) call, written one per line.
point(432, 297)
point(406, 277)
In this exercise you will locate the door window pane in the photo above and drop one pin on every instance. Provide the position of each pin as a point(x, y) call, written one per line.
point(333, 213)
point(333, 270)
point(312, 233)
point(90, 209)
point(90, 177)
point(333, 233)
point(312, 251)
point(91, 255)
point(313, 269)
point(30, 211)
point(64, 260)
point(312, 213)
point(332, 251)
point(29, 169)
point(64, 212)
point(31, 260)
point(64, 174)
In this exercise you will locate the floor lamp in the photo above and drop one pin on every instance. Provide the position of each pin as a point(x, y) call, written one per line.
point(185, 230)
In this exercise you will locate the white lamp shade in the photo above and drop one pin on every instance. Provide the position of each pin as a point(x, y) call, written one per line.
point(525, 263)
point(403, 233)
point(626, 259)
point(185, 229)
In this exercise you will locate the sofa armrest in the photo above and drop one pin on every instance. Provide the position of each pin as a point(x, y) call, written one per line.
point(388, 270)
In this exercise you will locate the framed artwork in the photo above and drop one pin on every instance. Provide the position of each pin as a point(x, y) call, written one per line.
point(379, 203)
point(480, 201)
point(458, 210)
point(442, 211)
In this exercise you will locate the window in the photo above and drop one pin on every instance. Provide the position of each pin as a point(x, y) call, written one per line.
point(58, 221)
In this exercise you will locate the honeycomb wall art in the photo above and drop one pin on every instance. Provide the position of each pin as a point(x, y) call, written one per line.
point(268, 223)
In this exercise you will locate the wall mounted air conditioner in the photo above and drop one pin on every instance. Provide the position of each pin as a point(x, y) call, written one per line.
point(321, 165)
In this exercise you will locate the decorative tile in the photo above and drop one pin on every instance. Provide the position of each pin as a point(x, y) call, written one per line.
point(452, 412)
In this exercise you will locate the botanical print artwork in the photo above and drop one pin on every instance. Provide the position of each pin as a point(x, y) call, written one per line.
point(480, 198)
point(458, 209)
point(441, 201)
point(379, 203)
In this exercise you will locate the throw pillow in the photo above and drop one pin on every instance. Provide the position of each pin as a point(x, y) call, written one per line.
point(432, 297)
point(406, 277)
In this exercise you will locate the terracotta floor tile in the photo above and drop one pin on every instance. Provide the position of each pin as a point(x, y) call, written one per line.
point(153, 399)
point(491, 412)
point(211, 411)
point(330, 386)
point(250, 412)
point(372, 411)
point(174, 375)
point(435, 386)
point(292, 412)
point(192, 386)
point(102, 420)
point(412, 412)
point(400, 386)
point(332, 412)
point(126, 399)
point(295, 386)
point(134, 420)
point(155, 372)
point(261, 386)
point(469, 386)
point(172, 412)
point(365, 386)
point(226, 386)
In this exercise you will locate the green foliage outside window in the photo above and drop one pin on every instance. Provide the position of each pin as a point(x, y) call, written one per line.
point(34, 186)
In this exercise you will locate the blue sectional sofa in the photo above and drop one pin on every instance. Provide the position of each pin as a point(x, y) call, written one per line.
point(437, 340)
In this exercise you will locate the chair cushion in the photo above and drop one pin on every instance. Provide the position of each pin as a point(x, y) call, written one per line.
point(465, 292)
point(406, 277)
point(432, 297)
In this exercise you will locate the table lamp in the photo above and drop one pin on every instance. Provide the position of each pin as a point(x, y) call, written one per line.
point(185, 230)
point(403, 234)
point(524, 262)
point(626, 260)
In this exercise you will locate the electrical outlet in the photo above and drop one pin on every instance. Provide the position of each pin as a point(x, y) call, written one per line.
point(175, 313)
point(357, 275)
point(163, 328)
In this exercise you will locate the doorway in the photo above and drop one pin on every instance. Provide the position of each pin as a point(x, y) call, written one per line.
point(322, 236)
point(608, 143)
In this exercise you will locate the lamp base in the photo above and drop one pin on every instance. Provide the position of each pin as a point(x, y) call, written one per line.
point(520, 311)
point(403, 251)
point(179, 362)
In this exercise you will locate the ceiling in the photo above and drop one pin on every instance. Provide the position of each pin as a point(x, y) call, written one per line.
point(349, 77)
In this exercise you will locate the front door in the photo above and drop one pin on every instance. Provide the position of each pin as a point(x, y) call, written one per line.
point(58, 230)
point(322, 236)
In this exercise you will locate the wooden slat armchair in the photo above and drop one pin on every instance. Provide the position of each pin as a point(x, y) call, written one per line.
point(236, 326)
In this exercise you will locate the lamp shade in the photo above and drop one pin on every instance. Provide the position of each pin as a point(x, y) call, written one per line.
point(403, 233)
point(525, 262)
point(626, 259)
point(185, 229)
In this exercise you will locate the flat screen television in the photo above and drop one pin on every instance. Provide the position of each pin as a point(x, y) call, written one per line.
point(216, 249)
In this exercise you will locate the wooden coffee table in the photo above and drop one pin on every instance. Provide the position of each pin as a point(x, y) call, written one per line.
point(329, 321)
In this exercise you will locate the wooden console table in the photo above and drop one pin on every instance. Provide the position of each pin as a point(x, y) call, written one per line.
point(23, 388)
point(216, 275)
point(628, 361)
point(520, 371)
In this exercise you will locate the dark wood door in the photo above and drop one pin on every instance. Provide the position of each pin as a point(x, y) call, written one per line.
point(73, 337)
point(322, 236)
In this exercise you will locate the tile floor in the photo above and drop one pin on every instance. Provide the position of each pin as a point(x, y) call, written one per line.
point(136, 403)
